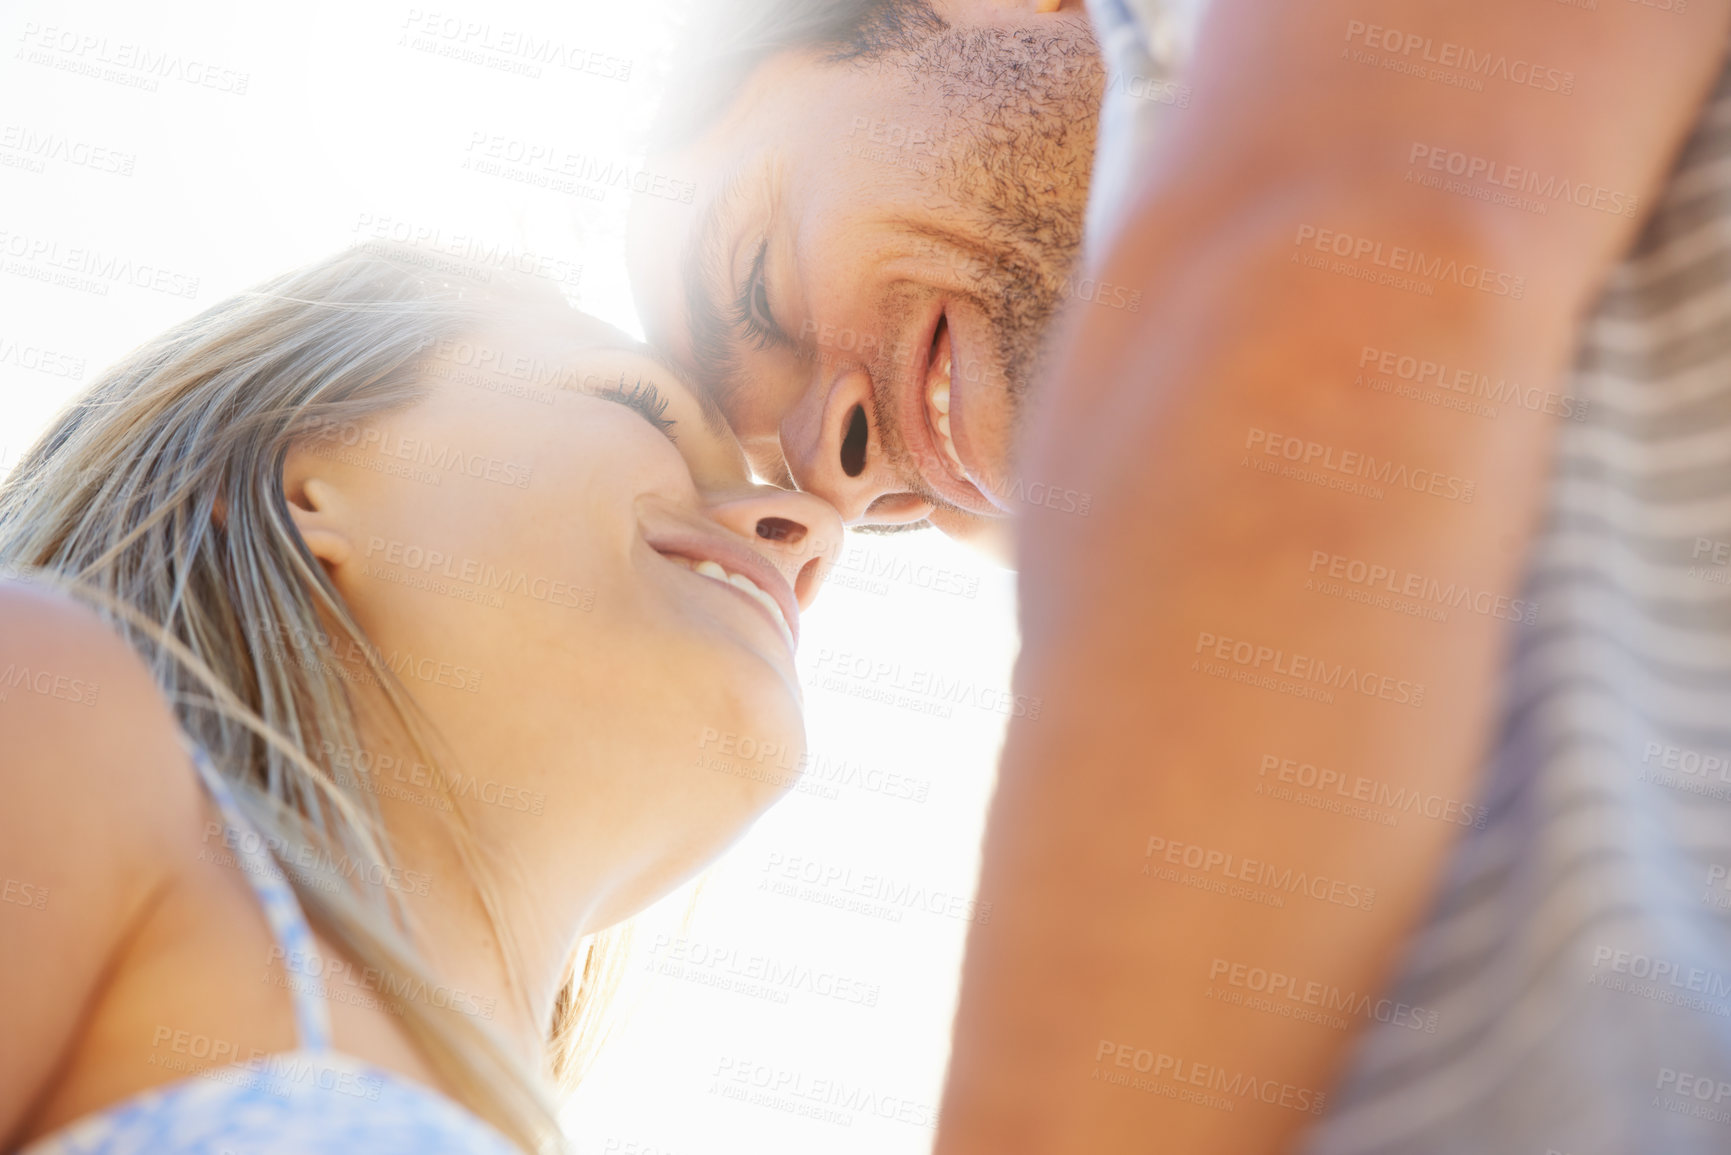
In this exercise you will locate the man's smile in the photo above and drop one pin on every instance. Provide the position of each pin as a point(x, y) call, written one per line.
point(931, 400)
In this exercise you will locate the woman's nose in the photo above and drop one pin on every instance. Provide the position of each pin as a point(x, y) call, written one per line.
point(799, 533)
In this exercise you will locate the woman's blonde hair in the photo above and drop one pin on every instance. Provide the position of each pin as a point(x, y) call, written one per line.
point(157, 498)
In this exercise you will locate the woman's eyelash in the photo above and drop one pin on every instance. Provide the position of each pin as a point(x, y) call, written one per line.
point(646, 399)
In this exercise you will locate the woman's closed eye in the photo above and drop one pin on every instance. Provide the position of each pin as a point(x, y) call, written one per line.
point(645, 399)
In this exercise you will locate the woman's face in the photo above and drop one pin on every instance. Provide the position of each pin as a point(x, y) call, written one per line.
point(569, 567)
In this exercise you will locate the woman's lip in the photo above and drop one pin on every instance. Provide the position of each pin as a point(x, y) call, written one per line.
point(935, 469)
point(734, 557)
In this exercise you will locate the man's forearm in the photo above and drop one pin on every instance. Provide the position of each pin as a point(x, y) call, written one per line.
point(1202, 688)
point(1282, 620)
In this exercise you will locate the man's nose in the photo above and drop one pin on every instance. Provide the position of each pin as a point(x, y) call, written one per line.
point(799, 533)
point(836, 447)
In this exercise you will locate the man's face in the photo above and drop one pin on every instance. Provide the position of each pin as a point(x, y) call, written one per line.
point(872, 255)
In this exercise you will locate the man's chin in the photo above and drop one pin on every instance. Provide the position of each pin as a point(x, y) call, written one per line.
point(992, 537)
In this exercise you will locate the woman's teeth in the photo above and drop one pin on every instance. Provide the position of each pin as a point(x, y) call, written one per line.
point(938, 410)
point(744, 584)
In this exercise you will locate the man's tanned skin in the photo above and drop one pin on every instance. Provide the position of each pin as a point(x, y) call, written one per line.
point(1089, 964)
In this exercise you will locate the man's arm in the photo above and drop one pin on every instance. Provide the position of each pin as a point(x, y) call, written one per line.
point(1193, 643)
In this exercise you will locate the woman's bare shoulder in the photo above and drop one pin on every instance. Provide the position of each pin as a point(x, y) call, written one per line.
point(84, 728)
point(99, 803)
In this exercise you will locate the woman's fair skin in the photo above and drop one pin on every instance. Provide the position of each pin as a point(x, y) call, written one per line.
point(573, 663)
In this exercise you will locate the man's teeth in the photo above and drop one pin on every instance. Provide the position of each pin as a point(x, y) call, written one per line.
point(740, 582)
point(938, 408)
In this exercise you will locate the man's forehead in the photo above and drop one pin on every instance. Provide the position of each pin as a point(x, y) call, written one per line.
point(661, 229)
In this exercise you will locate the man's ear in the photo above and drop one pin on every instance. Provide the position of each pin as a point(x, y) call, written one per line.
point(320, 514)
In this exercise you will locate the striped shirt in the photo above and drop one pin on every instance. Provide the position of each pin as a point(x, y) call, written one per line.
point(1574, 972)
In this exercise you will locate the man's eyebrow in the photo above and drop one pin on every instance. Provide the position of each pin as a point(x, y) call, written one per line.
point(715, 367)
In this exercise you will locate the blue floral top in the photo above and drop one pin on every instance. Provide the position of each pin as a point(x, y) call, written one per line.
point(309, 1100)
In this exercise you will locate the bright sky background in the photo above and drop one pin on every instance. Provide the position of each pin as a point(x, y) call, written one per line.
point(357, 116)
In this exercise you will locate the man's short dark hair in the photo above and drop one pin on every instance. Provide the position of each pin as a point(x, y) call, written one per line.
point(724, 42)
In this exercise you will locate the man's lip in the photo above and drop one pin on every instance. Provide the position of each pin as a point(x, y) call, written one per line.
point(915, 420)
point(734, 557)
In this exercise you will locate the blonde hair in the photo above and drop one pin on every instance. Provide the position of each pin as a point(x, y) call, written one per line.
point(157, 498)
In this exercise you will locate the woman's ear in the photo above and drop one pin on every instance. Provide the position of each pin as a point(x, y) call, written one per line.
point(317, 509)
